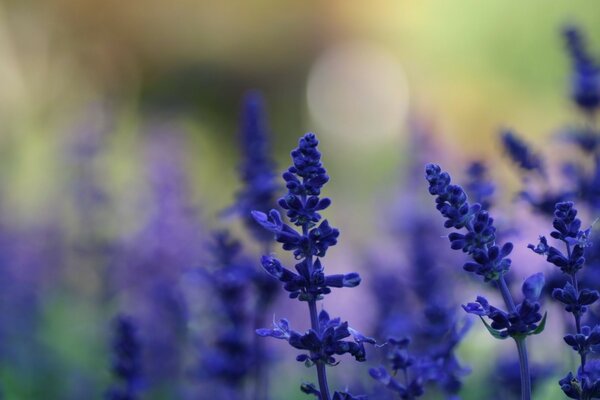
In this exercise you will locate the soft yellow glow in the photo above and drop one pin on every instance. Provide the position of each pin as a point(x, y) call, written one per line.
point(357, 89)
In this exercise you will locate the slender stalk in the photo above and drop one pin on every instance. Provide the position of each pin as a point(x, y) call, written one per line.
point(321, 373)
point(314, 323)
point(577, 316)
point(508, 300)
point(524, 369)
point(521, 345)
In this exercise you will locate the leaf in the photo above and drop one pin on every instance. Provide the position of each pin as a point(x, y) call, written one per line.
point(495, 333)
point(541, 326)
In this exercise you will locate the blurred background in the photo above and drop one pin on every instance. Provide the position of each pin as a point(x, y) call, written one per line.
point(105, 104)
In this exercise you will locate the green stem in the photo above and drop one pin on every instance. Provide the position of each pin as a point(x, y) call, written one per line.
point(321, 373)
point(524, 369)
point(521, 346)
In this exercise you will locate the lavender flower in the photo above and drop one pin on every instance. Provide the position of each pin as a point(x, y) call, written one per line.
point(229, 357)
point(322, 344)
point(304, 181)
point(257, 170)
point(520, 153)
point(491, 262)
point(416, 304)
point(413, 295)
point(567, 229)
point(579, 181)
point(126, 364)
point(442, 333)
point(585, 78)
point(258, 192)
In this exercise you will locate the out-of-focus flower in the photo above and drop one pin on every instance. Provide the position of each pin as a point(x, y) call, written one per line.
point(585, 78)
point(127, 361)
point(520, 153)
point(567, 229)
point(257, 169)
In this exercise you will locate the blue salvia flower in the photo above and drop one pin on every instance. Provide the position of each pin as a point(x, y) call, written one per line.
point(417, 302)
point(321, 344)
point(304, 181)
point(520, 153)
point(228, 357)
point(585, 78)
point(580, 182)
point(491, 262)
point(426, 316)
point(257, 169)
point(441, 334)
point(576, 300)
point(399, 359)
point(126, 363)
point(257, 174)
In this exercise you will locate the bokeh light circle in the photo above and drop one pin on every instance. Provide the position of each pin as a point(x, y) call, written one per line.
point(358, 89)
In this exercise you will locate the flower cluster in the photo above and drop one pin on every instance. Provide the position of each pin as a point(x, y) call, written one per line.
point(585, 78)
point(126, 364)
point(489, 260)
point(304, 284)
point(427, 316)
point(520, 153)
point(229, 358)
point(443, 333)
point(324, 343)
point(578, 181)
point(257, 170)
point(584, 385)
point(304, 181)
point(524, 320)
point(400, 360)
point(567, 229)
point(304, 178)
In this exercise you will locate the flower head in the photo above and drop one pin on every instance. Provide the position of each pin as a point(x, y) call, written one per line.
point(126, 363)
point(520, 153)
point(489, 260)
point(257, 169)
point(304, 181)
point(585, 78)
point(324, 343)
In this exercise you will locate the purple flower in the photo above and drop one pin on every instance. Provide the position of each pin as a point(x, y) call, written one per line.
point(304, 181)
point(257, 169)
point(126, 363)
point(585, 78)
point(520, 153)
